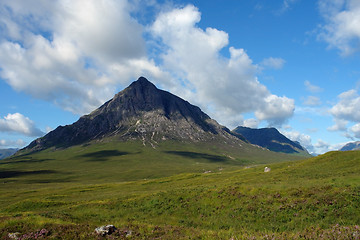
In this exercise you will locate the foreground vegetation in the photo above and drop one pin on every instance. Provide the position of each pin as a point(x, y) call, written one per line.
point(316, 198)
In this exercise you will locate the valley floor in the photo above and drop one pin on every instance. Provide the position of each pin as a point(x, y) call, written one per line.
point(317, 198)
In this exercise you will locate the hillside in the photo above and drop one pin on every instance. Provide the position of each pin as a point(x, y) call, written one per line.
point(111, 160)
point(271, 139)
point(315, 198)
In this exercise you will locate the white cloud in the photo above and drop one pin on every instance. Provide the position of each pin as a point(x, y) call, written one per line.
point(48, 129)
point(340, 125)
point(18, 123)
point(312, 88)
point(76, 53)
point(251, 123)
point(312, 101)
point(323, 146)
point(229, 85)
point(348, 107)
point(12, 143)
point(355, 130)
point(72, 53)
point(342, 27)
point(276, 110)
point(103, 30)
point(303, 139)
point(275, 63)
point(347, 112)
point(319, 147)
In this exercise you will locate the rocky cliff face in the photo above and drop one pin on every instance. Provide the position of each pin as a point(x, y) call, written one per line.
point(271, 139)
point(141, 111)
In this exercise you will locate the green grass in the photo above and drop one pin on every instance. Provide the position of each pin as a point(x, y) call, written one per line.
point(128, 161)
point(316, 198)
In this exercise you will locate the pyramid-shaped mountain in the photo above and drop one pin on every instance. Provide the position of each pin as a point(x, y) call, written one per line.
point(140, 112)
point(271, 139)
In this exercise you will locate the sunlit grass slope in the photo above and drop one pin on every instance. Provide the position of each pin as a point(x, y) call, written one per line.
point(316, 198)
point(113, 161)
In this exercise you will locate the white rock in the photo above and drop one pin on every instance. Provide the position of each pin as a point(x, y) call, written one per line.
point(267, 169)
point(105, 230)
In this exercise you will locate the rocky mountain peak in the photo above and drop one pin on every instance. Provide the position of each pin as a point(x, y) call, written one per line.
point(271, 139)
point(139, 112)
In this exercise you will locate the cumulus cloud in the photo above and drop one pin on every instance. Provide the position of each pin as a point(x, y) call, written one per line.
point(348, 107)
point(355, 130)
point(229, 85)
point(18, 123)
point(275, 63)
point(76, 53)
point(342, 27)
point(319, 147)
point(303, 139)
point(347, 112)
point(312, 88)
point(276, 110)
point(72, 53)
point(251, 123)
point(322, 146)
point(340, 125)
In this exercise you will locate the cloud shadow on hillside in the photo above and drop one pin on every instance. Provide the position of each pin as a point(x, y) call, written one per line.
point(103, 155)
point(194, 155)
point(11, 174)
point(25, 160)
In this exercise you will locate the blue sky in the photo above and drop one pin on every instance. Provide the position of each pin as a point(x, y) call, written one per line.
point(291, 64)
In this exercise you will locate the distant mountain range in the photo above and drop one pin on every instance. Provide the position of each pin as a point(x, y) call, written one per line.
point(4, 153)
point(271, 139)
point(351, 146)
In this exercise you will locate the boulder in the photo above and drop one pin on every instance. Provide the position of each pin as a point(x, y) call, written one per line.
point(267, 169)
point(105, 230)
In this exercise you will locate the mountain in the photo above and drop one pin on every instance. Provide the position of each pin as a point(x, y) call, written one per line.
point(141, 133)
point(4, 153)
point(351, 146)
point(271, 139)
point(140, 112)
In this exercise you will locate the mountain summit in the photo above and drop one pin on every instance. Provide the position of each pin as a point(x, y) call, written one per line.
point(271, 139)
point(139, 112)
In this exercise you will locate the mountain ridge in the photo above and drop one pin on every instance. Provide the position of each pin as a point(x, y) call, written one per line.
point(272, 139)
point(351, 146)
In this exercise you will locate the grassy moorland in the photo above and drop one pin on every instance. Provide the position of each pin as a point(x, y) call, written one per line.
point(315, 198)
point(114, 161)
